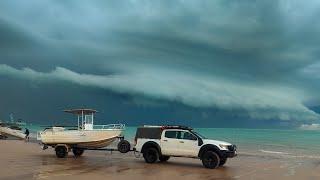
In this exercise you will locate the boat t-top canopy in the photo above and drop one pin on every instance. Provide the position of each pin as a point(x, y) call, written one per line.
point(85, 117)
point(81, 111)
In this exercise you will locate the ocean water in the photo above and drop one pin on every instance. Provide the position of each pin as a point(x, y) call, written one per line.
point(253, 141)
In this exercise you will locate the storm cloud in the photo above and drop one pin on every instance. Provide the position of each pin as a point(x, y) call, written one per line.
point(260, 58)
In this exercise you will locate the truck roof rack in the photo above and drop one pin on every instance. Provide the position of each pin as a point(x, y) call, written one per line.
point(168, 127)
point(176, 127)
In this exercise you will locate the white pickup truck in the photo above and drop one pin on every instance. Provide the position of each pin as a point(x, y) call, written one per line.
point(161, 142)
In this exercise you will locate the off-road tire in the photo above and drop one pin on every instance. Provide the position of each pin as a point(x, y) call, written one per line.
point(210, 160)
point(222, 161)
point(151, 155)
point(164, 158)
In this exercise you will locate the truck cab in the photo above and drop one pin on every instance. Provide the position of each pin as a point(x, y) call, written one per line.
point(179, 142)
point(162, 142)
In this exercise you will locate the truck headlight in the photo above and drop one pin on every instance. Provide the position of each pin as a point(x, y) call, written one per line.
point(223, 146)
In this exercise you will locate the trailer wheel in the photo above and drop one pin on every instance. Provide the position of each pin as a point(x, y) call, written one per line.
point(124, 146)
point(61, 151)
point(77, 152)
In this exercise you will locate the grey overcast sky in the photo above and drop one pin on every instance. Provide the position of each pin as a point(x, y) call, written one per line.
point(203, 63)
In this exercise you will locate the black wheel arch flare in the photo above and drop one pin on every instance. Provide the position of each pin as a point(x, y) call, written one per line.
point(209, 147)
point(151, 144)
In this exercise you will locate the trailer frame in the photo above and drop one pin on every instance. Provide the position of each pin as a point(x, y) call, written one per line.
point(62, 150)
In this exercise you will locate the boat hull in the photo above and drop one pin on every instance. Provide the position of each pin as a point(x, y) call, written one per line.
point(80, 138)
point(5, 131)
point(96, 144)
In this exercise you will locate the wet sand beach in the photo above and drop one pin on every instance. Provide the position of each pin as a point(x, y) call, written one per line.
point(20, 160)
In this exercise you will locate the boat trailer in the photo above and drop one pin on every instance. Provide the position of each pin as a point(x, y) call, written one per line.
point(62, 150)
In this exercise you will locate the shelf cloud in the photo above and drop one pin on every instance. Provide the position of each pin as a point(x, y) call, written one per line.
point(191, 90)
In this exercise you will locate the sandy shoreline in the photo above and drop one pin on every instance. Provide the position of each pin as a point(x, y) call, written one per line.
point(20, 160)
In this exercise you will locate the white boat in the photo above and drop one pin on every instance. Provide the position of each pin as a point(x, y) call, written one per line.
point(12, 129)
point(8, 131)
point(85, 135)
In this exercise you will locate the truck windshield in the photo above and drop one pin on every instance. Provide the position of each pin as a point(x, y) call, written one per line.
point(198, 134)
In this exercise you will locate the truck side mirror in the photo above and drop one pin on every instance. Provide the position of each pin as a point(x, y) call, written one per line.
point(200, 142)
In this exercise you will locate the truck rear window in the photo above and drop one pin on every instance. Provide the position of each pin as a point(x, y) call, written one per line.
point(148, 133)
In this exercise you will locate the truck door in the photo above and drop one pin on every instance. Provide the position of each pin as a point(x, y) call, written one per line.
point(170, 143)
point(188, 144)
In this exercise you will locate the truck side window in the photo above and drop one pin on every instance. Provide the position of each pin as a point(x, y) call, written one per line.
point(188, 136)
point(171, 134)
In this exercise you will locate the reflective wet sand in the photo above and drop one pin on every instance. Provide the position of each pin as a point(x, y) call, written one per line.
point(20, 160)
